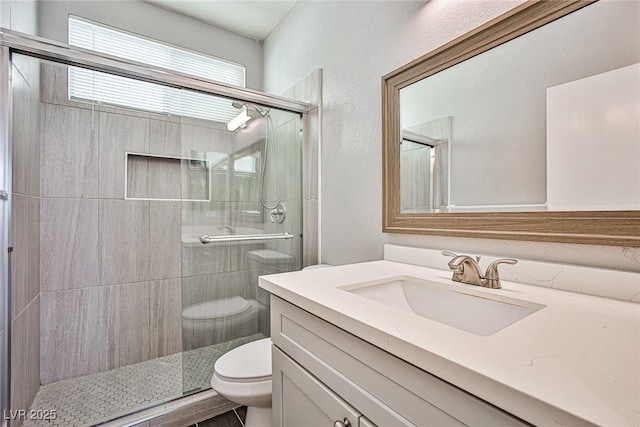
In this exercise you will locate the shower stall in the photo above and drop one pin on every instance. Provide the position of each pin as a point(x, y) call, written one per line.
point(136, 235)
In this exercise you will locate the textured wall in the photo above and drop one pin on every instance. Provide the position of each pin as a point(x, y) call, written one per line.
point(356, 43)
point(155, 22)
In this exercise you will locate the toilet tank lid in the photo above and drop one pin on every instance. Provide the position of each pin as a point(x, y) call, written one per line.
point(216, 308)
point(249, 362)
point(268, 256)
point(314, 266)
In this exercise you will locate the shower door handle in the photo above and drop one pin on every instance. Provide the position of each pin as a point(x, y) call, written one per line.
point(244, 237)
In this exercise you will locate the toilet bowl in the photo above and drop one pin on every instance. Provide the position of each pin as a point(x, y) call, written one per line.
point(243, 376)
point(219, 320)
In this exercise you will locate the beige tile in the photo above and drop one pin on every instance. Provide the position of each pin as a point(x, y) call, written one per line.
point(286, 161)
point(241, 283)
point(137, 177)
point(194, 181)
point(69, 243)
point(197, 140)
point(311, 156)
point(124, 324)
point(26, 137)
point(33, 348)
point(310, 232)
point(164, 137)
point(54, 89)
point(20, 254)
point(33, 241)
point(165, 234)
point(207, 215)
point(19, 362)
point(71, 340)
point(247, 215)
point(239, 255)
point(119, 133)
point(199, 289)
point(165, 317)
point(205, 259)
point(165, 176)
point(69, 152)
point(219, 190)
point(123, 241)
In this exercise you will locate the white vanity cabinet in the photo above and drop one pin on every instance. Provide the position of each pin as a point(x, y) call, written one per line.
point(323, 374)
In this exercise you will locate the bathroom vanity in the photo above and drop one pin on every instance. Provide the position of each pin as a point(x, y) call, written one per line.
point(323, 373)
point(347, 352)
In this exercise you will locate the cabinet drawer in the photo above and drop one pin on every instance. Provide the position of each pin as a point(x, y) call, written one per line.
point(388, 390)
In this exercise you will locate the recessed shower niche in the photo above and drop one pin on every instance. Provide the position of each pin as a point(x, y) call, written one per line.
point(156, 177)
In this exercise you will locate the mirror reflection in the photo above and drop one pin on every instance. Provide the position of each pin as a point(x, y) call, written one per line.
point(424, 166)
point(549, 121)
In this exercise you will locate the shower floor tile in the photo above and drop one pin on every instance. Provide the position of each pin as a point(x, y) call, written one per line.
point(96, 398)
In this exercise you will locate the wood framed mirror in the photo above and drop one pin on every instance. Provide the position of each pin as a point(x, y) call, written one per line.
point(619, 226)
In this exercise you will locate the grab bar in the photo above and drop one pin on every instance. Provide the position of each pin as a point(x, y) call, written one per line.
point(239, 237)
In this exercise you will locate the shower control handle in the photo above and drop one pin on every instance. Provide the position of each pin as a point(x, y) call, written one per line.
point(343, 423)
point(278, 214)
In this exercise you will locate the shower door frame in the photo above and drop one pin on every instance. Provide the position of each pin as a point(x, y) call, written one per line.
point(5, 233)
point(61, 53)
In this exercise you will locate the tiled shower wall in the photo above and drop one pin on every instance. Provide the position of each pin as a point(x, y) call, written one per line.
point(115, 273)
point(110, 267)
point(309, 90)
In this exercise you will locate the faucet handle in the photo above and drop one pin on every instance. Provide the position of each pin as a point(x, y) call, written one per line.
point(457, 270)
point(492, 277)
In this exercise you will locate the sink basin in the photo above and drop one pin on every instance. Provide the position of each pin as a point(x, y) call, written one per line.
point(478, 312)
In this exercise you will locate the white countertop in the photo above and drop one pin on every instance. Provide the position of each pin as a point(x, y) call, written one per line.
point(574, 361)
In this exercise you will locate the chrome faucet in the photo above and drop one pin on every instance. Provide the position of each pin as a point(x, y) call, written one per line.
point(467, 270)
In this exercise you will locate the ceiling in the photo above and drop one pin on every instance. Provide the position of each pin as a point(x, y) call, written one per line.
point(251, 18)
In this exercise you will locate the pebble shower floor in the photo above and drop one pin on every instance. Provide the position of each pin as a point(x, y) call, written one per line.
point(100, 397)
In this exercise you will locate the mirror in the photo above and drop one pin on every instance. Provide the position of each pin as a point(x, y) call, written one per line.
point(518, 134)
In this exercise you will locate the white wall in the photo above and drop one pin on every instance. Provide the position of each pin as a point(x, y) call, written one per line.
point(356, 43)
point(155, 22)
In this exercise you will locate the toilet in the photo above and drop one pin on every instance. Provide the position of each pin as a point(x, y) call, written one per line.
point(243, 376)
point(219, 320)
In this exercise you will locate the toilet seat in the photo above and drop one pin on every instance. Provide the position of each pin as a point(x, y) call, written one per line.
point(217, 308)
point(248, 363)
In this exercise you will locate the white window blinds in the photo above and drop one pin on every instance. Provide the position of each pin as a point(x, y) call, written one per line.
point(120, 91)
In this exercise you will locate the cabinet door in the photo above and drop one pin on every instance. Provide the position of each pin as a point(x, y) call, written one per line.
point(299, 399)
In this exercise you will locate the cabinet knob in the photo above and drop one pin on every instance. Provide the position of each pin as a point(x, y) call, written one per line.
point(343, 423)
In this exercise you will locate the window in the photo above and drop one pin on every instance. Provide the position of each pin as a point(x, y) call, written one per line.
point(120, 91)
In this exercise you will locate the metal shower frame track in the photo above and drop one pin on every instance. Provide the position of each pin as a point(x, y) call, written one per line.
point(75, 56)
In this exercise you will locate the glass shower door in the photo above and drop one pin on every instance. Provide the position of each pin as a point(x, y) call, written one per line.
point(247, 222)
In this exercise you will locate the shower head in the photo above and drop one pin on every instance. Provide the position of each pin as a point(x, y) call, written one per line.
point(250, 106)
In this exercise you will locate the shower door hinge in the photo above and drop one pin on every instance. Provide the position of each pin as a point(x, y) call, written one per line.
point(4, 195)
